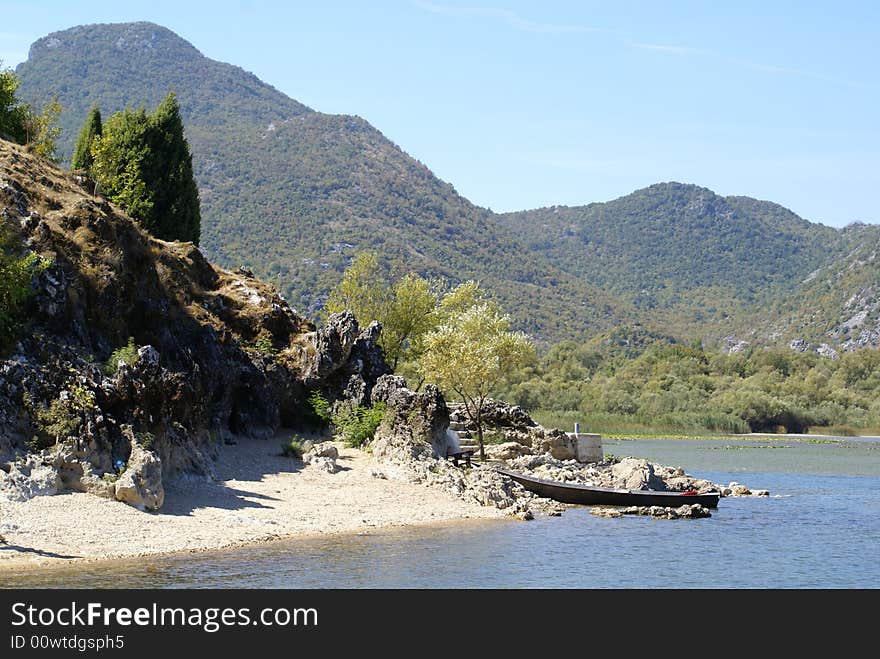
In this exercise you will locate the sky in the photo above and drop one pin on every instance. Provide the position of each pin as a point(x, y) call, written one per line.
point(529, 104)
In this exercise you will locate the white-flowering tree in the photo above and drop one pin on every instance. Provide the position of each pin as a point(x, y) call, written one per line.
point(471, 351)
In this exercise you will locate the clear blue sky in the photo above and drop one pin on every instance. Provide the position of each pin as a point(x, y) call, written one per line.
point(527, 104)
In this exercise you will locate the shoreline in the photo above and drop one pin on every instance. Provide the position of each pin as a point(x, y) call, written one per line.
point(258, 497)
point(41, 565)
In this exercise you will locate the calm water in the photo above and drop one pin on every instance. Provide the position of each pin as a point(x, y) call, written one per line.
point(819, 529)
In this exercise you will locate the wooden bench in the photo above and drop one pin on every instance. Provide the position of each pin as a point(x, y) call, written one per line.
point(465, 455)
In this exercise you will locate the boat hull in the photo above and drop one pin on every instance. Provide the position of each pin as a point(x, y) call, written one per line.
point(588, 495)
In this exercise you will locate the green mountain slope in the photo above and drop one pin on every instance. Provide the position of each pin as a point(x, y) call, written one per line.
point(837, 304)
point(294, 193)
point(680, 253)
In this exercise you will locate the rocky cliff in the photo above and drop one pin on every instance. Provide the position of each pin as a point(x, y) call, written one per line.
point(215, 353)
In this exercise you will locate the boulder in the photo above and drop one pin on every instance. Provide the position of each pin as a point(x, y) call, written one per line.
point(29, 478)
point(415, 424)
point(499, 414)
point(140, 485)
point(738, 490)
point(324, 464)
point(323, 456)
point(507, 451)
point(600, 511)
point(636, 474)
point(686, 511)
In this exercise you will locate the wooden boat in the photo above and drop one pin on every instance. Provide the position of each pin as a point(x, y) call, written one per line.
point(606, 496)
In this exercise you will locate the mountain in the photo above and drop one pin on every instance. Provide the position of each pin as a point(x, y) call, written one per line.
point(680, 253)
point(837, 304)
point(293, 193)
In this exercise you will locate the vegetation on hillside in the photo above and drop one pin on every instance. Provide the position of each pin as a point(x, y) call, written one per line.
point(21, 123)
point(142, 162)
point(294, 194)
point(82, 151)
point(17, 270)
point(405, 306)
point(686, 258)
point(686, 388)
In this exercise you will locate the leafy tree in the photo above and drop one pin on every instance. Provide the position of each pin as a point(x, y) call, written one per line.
point(82, 151)
point(119, 158)
point(406, 308)
point(43, 129)
point(470, 354)
point(362, 290)
point(143, 163)
point(13, 113)
point(20, 123)
point(410, 315)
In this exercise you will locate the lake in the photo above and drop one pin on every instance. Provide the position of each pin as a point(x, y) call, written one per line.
point(820, 528)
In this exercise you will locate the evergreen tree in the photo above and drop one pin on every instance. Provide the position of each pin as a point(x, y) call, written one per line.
point(120, 157)
point(82, 152)
point(143, 163)
point(176, 214)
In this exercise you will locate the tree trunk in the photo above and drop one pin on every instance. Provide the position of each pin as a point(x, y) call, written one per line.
point(480, 436)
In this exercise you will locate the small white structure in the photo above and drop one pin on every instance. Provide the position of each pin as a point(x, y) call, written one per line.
point(587, 447)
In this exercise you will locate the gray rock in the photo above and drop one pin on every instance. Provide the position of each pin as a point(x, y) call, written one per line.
point(636, 474)
point(737, 490)
point(323, 456)
point(324, 464)
point(321, 450)
point(415, 423)
point(140, 485)
point(29, 478)
point(507, 451)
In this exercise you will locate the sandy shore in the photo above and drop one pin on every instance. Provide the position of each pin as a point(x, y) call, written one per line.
point(258, 496)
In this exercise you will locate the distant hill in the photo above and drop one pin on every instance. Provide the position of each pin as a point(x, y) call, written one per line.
point(294, 193)
point(837, 304)
point(680, 253)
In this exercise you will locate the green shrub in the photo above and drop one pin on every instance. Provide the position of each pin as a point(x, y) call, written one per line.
point(263, 343)
point(56, 422)
point(127, 354)
point(16, 272)
point(494, 437)
point(292, 448)
point(320, 408)
point(146, 440)
point(356, 426)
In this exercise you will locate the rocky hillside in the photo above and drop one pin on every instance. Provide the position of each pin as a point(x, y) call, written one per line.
point(218, 352)
point(835, 307)
point(293, 193)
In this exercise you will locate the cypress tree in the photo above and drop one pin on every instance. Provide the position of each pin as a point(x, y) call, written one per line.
point(82, 152)
point(176, 213)
point(144, 164)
